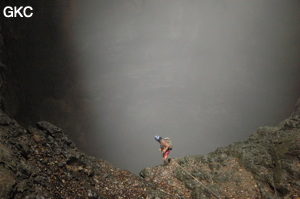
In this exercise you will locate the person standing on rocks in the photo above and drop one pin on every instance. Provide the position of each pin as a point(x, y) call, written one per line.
point(165, 147)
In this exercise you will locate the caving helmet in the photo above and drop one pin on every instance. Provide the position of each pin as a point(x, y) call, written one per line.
point(157, 138)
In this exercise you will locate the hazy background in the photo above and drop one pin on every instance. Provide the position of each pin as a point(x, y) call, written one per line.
point(205, 73)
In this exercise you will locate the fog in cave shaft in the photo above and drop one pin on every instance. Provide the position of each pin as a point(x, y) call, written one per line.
point(205, 73)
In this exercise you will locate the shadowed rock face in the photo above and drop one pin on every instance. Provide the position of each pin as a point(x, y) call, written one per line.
point(38, 75)
point(42, 162)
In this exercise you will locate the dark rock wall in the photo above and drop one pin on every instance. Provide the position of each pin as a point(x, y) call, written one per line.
point(39, 77)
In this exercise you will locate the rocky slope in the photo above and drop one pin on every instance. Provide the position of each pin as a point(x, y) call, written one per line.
point(267, 165)
point(42, 162)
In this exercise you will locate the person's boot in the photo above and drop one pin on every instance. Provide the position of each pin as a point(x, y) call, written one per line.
point(166, 162)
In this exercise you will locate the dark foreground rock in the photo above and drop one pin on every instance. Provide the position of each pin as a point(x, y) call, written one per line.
point(41, 162)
